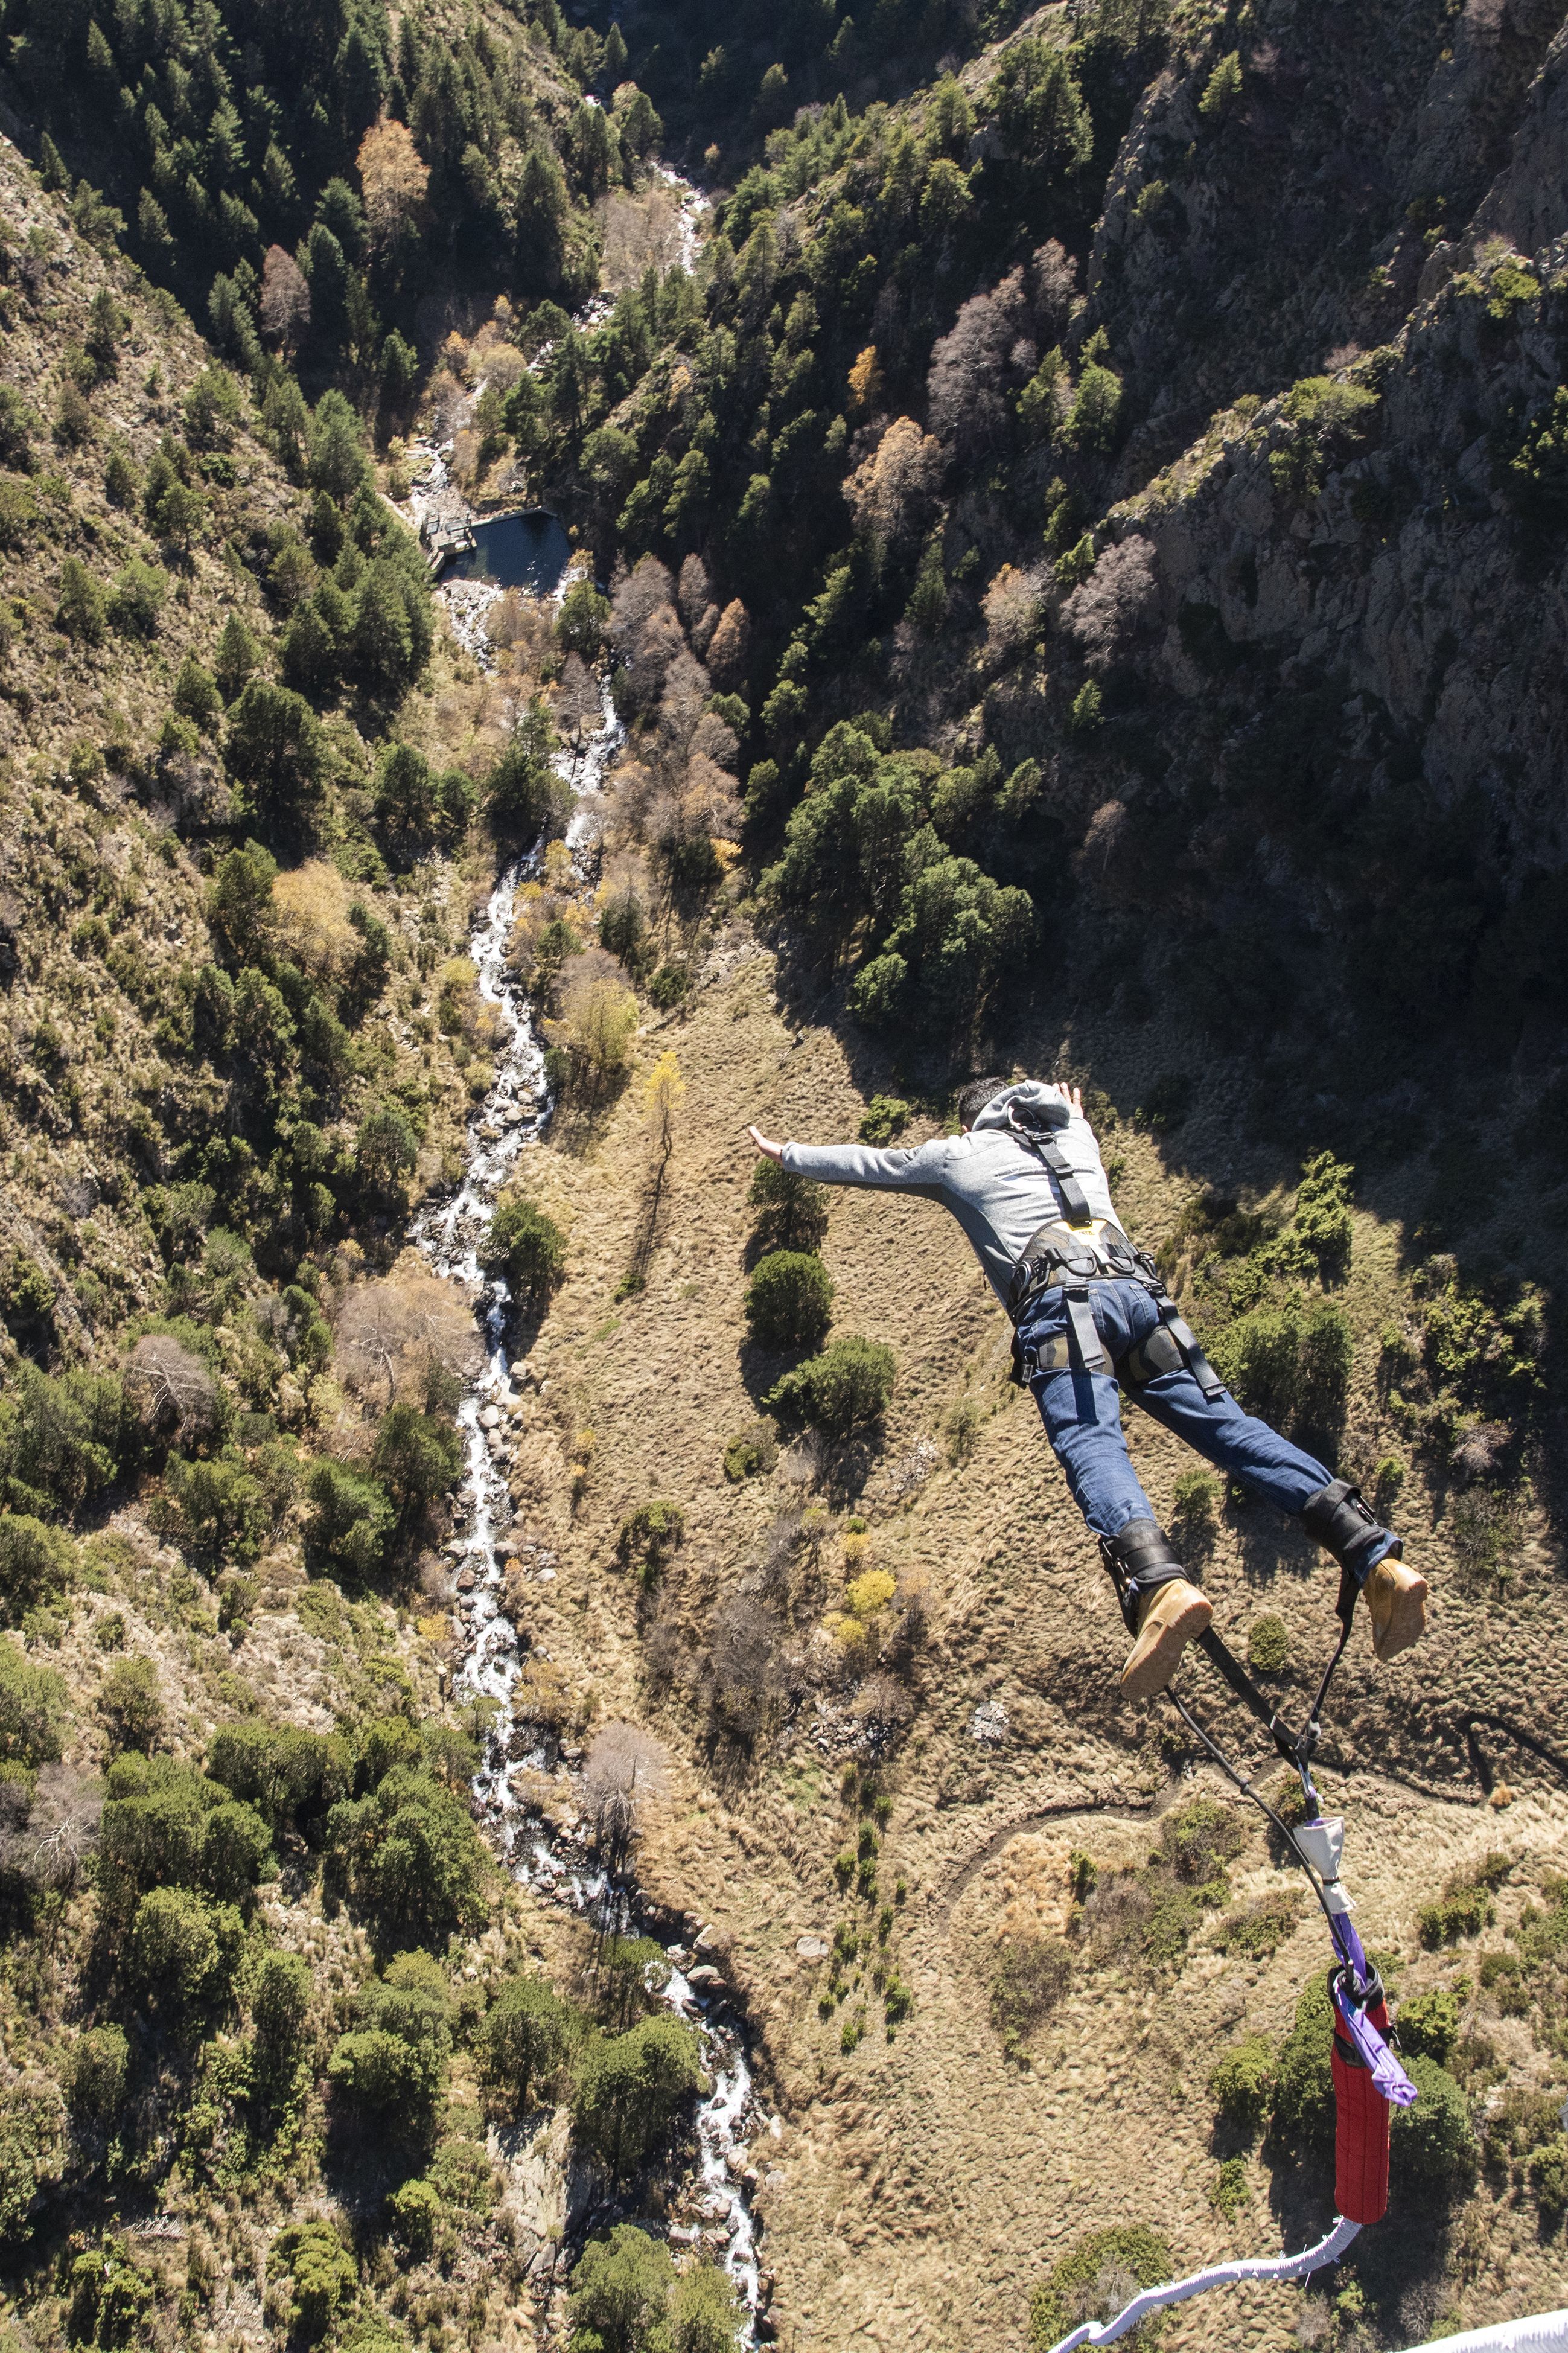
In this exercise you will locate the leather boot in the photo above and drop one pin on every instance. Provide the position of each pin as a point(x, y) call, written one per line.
point(1396, 1604)
point(1172, 1616)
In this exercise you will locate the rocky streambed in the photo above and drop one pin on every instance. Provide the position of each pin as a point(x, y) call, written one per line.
point(531, 1791)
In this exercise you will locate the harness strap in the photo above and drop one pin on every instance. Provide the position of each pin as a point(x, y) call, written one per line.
point(1075, 1201)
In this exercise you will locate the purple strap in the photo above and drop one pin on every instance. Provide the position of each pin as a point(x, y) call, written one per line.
point(1388, 2076)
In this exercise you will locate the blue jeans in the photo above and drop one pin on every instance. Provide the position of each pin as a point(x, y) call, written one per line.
point(1083, 1421)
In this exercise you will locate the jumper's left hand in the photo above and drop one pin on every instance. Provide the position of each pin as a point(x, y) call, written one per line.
point(1071, 1096)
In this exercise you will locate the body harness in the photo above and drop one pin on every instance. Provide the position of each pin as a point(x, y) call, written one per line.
point(1067, 1254)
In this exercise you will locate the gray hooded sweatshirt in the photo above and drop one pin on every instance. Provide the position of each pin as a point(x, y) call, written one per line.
point(1000, 1191)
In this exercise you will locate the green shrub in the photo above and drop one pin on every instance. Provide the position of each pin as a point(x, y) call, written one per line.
point(1258, 1358)
point(1547, 2169)
point(237, 1850)
point(650, 1538)
point(1200, 1838)
point(291, 1777)
point(1262, 1928)
point(1241, 2084)
point(1429, 2024)
point(136, 599)
point(324, 2279)
point(132, 1704)
point(751, 1452)
point(1433, 2145)
point(1103, 2271)
point(386, 1149)
point(629, 2089)
point(391, 2068)
point(523, 2043)
point(80, 611)
point(789, 1301)
point(279, 2012)
point(885, 1116)
point(791, 1210)
point(1268, 1645)
point(94, 2074)
point(415, 2213)
point(1031, 1979)
point(705, 2312)
point(409, 1860)
point(1463, 1909)
point(1229, 2191)
point(222, 1509)
point(352, 1517)
point(112, 2298)
point(1222, 89)
point(526, 1246)
point(417, 1457)
point(1193, 1509)
point(842, 1390)
point(32, 1711)
point(183, 1950)
point(35, 1564)
point(620, 2294)
point(1303, 2109)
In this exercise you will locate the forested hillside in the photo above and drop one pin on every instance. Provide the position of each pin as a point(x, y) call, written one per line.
point(1068, 520)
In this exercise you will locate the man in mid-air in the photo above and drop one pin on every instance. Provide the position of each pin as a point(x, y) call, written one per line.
point(1025, 1182)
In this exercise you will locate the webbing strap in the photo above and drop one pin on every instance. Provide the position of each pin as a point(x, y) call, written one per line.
point(1091, 1349)
point(1296, 1750)
point(1075, 1200)
point(1187, 1339)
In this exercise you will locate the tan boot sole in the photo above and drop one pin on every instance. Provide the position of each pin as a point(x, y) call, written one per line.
point(1178, 1615)
point(1397, 1601)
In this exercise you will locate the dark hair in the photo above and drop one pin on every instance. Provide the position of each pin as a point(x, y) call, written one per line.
point(975, 1097)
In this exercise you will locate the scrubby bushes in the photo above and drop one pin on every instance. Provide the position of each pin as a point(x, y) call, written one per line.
point(789, 1301)
point(408, 1859)
point(528, 1248)
point(650, 1538)
point(627, 2297)
point(183, 1950)
point(629, 2089)
point(846, 1388)
point(1433, 2145)
point(523, 2043)
point(1242, 2083)
point(791, 1211)
point(390, 2069)
point(1100, 2274)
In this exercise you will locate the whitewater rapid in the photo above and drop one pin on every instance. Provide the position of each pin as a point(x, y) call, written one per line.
point(509, 1122)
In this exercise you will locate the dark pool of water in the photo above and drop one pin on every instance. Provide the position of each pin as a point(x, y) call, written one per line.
point(515, 551)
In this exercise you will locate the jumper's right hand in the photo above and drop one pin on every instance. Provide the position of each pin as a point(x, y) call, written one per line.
point(1071, 1096)
point(765, 1145)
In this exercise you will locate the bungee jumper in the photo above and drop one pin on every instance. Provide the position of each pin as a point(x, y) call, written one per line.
point(1089, 1310)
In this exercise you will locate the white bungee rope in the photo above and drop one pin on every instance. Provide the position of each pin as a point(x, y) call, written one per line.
point(1253, 2267)
point(1546, 2332)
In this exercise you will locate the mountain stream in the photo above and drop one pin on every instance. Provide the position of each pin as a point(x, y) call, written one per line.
point(560, 1864)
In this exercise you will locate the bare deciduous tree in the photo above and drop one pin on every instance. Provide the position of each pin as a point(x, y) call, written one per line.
point(391, 1331)
point(747, 1641)
point(285, 306)
point(729, 649)
point(974, 367)
point(393, 178)
point(625, 1773)
point(891, 493)
point(173, 1391)
point(1119, 597)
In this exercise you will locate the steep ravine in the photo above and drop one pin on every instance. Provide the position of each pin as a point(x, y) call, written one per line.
point(559, 1864)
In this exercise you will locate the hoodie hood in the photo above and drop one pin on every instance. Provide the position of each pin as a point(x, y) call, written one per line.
point(1039, 1095)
